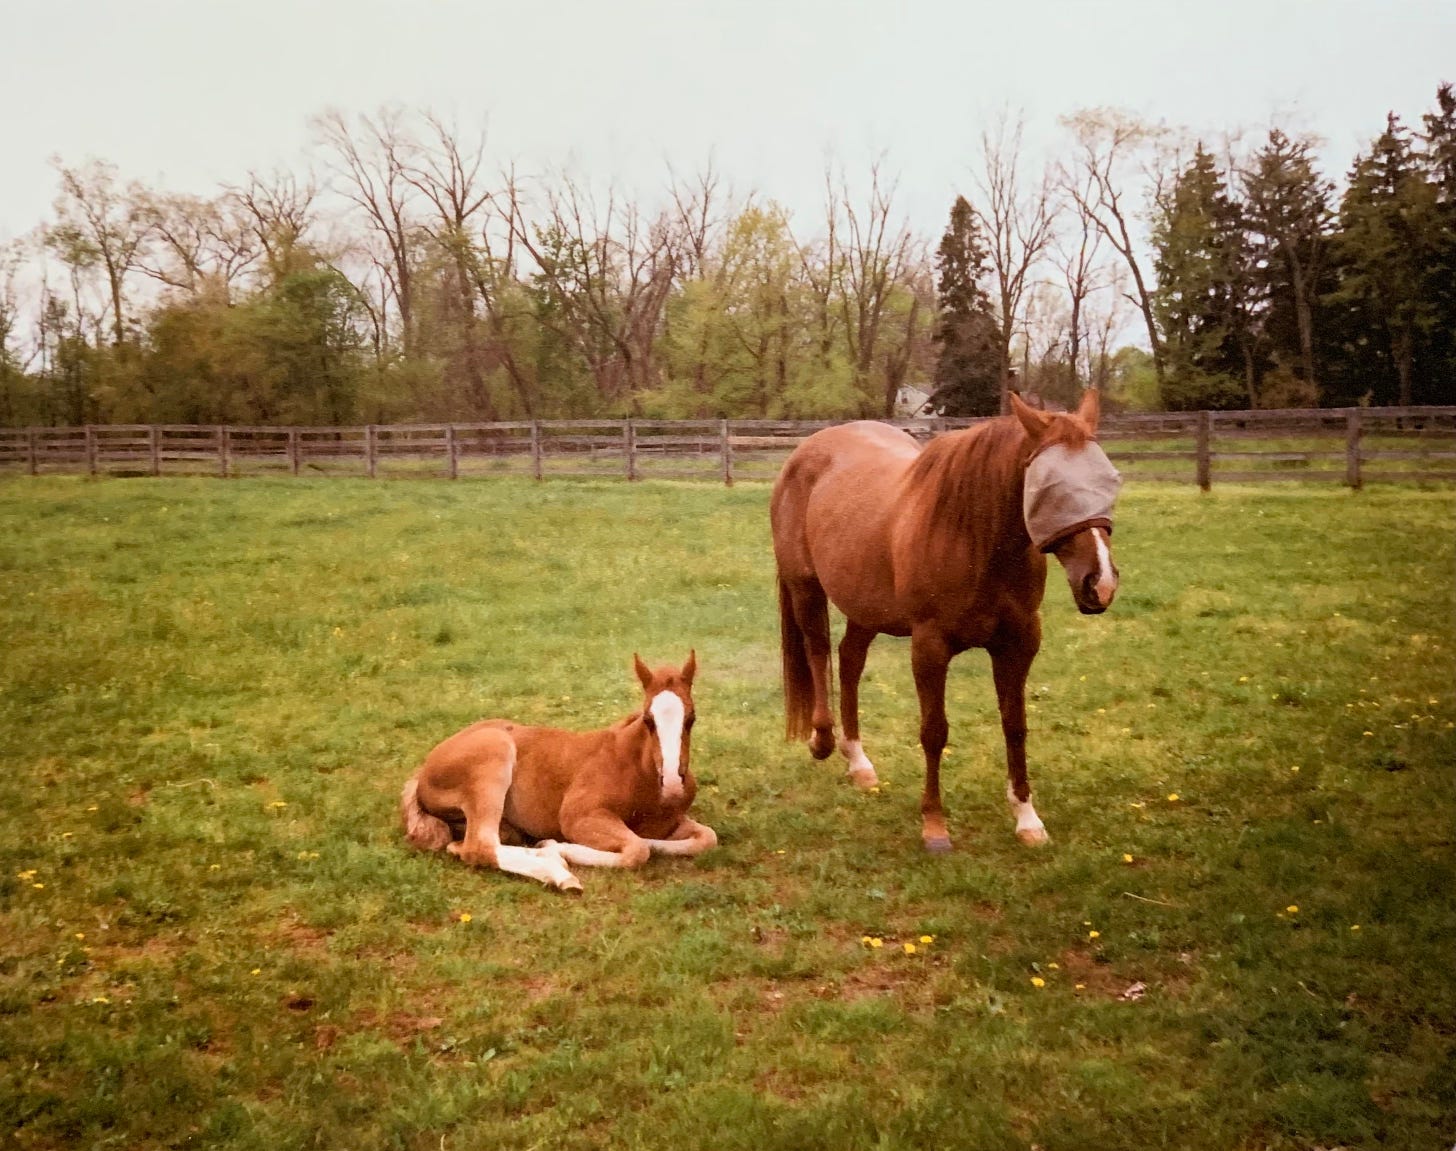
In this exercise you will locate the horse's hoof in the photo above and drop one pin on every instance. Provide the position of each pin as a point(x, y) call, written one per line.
point(863, 778)
point(938, 845)
point(821, 744)
point(1033, 836)
point(570, 883)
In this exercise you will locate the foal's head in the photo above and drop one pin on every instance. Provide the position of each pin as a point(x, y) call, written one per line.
point(1069, 491)
point(667, 710)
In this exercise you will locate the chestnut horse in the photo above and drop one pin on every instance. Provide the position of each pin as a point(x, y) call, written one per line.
point(945, 545)
point(613, 796)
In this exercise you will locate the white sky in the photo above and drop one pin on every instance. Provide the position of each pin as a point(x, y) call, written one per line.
point(185, 95)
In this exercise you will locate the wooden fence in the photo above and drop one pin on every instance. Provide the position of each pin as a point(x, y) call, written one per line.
point(1353, 446)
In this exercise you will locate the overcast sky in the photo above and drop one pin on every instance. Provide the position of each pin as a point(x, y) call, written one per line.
point(185, 95)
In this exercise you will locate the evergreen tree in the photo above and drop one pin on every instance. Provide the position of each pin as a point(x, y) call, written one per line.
point(1383, 256)
point(967, 372)
point(1288, 219)
point(1202, 301)
point(1439, 160)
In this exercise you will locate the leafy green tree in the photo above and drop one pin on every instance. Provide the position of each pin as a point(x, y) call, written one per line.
point(968, 338)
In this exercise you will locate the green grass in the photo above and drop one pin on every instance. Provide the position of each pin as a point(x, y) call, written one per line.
point(212, 935)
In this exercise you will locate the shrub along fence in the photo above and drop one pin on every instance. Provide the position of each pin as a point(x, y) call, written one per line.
point(1352, 446)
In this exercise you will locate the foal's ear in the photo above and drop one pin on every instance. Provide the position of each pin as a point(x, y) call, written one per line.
point(690, 668)
point(1090, 409)
point(644, 673)
point(1033, 421)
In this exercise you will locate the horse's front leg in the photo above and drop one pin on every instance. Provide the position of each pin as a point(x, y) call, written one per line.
point(688, 838)
point(600, 839)
point(929, 658)
point(1009, 668)
point(853, 649)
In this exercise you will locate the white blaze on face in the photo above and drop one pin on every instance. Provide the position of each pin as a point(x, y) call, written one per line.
point(1106, 577)
point(668, 713)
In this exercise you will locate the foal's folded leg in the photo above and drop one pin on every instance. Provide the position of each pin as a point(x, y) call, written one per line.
point(600, 839)
point(688, 838)
point(482, 799)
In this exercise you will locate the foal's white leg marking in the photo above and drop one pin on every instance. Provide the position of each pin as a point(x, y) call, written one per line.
point(702, 838)
point(668, 712)
point(542, 864)
point(1029, 827)
point(1106, 581)
point(584, 856)
point(860, 770)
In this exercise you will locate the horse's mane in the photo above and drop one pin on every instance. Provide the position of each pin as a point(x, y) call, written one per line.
point(966, 486)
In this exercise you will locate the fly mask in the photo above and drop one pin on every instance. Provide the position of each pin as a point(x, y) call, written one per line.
point(1066, 491)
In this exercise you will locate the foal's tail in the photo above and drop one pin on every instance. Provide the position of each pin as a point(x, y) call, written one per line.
point(798, 682)
point(422, 829)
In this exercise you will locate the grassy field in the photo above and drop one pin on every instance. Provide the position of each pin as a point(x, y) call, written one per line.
point(211, 934)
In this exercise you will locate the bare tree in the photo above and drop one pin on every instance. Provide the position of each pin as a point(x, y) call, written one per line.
point(1018, 220)
point(1106, 144)
point(199, 245)
point(279, 212)
point(99, 223)
point(372, 164)
point(609, 270)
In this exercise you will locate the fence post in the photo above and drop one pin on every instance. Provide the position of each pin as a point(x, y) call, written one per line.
point(536, 449)
point(371, 450)
point(293, 451)
point(452, 450)
point(30, 451)
point(1205, 470)
point(90, 449)
point(224, 450)
point(629, 444)
point(154, 448)
point(1353, 431)
point(727, 444)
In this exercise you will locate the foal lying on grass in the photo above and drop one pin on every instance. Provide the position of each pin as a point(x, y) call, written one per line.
point(605, 798)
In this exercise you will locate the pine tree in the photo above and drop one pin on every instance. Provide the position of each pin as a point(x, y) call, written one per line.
point(967, 372)
point(1203, 301)
point(1439, 160)
point(1383, 257)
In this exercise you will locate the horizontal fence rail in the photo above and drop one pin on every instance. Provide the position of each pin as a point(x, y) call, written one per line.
point(1352, 446)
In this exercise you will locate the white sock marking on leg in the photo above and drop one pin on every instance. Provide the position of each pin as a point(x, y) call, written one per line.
point(1026, 817)
point(860, 769)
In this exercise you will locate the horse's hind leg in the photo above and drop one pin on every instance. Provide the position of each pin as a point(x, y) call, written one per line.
point(853, 649)
point(1009, 669)
point(811, 614)
point(482, 797)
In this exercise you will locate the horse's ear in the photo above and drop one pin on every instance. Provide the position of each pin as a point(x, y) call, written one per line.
point(1090, 409)
point(690, 668)
point(1033, 421)
point(644, 673)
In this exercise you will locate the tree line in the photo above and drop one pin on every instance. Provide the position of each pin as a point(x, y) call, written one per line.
point(397, 280)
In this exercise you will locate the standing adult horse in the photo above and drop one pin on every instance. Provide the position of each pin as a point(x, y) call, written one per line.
point(946, 545)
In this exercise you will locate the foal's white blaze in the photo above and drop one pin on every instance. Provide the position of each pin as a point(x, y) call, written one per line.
point(1029, 827)
point(1106, 579)
point(668, 713)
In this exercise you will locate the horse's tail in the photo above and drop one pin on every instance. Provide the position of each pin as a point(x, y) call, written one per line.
point(798, 682)
point(423, 830)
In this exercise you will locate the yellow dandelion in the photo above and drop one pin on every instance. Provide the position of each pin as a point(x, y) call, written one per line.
point(38, 886)
point(25, 874)
point(865, 939)
point(80, 935)
point(466, 917)
point(1079, 987)
point(909, 949)
point(1293, 909)
point(100, 999)
point(780, 851)
point(214, 867)
point(278, 803)
point(1172, 797)
point(1038, 981)
point(1369, 733)
point(1054, 966)
point(1354, 927)
point(927, 939)
point(93, 807)
point(1094, 935)
point(877, 943)
point(1126, 857)
point(1243, 679)
point(256, 971)
point(1295, 769)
